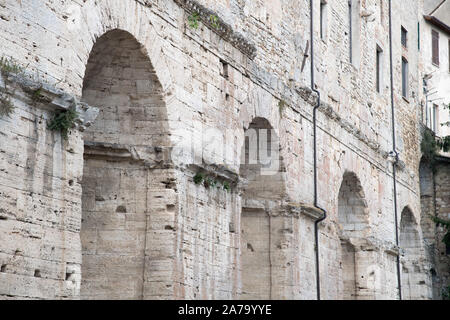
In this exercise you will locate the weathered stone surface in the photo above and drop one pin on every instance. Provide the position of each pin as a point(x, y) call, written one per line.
point(118, 211)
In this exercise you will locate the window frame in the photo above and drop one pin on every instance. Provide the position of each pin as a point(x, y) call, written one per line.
point(435, 47)
point(435, 118)
point(378, 69)
point(404, 37)
point(322, 18)
point(405, 76)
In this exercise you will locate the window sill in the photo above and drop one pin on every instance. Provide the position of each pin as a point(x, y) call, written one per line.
point(406, 99)
point(436, 65)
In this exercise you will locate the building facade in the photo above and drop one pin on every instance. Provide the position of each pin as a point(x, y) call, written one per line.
point(211, 140)
point(435, 101)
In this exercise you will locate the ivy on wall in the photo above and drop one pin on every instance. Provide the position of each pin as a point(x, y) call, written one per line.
point(429, 147)
point(6, 106)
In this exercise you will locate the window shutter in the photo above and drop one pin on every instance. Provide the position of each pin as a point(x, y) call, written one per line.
point(435, 47)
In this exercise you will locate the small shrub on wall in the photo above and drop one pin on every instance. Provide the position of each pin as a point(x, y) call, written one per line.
point(63, 121)
point(6, 106)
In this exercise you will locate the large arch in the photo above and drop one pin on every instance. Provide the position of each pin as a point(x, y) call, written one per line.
point(126, 15)
point(410, 244)
point(261, 167)
point(353, 219)
point(128, 135)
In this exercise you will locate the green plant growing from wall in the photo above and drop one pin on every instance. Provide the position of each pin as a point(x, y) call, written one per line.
point(63, 121)
point(193, 20)
point(209, 183)
point(429, 147)
point(8, 66)
point(214, 20)
point(198, 178)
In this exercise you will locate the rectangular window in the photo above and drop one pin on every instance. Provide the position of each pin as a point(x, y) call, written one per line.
point(354, 24)
point(322, 18)
point(224, 68)
point(404, 38)
point(378, 69)
point(404, 78)
point(435, 119)
point(435, 46)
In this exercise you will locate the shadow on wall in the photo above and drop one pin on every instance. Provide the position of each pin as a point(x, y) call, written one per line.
point(261, 167)
point(412, 275)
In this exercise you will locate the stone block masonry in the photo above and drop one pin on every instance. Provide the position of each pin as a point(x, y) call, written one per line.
point(153, 195)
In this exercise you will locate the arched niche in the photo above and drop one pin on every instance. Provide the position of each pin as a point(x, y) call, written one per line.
point(353, 222)
point(261, 168)
point(129, 132)
point(409, 242)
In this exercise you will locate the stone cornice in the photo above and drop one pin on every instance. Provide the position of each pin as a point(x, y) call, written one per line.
point(220, 171)
point(305, 209)
point(372, 244)
point(148, 156)
point(220, 27)
point(275, 208)
point(46, 96)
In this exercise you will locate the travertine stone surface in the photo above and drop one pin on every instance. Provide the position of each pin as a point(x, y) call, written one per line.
point(116, 212)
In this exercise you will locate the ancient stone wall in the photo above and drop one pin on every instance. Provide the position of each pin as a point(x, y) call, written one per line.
point(434, 200)
point(442, 261)
point(176, 103)
point(40, 195)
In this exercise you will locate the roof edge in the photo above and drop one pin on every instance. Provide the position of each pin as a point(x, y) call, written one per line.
point(438, 23)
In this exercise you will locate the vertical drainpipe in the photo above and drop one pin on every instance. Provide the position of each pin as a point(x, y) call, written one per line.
point(316, 223)
point(394, 151)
